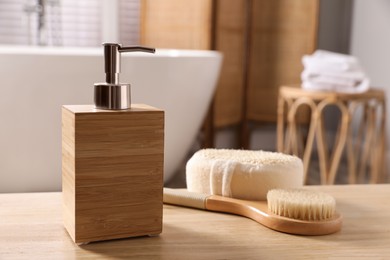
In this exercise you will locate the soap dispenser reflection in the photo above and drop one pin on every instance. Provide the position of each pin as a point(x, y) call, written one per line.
point(112, 161)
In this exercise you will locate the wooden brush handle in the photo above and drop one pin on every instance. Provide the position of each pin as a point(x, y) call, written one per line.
point(258, 211)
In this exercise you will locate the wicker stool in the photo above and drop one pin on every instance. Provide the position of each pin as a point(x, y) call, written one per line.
point(361, 131)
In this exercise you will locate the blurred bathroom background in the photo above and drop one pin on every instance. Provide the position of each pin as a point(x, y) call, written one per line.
point(262, 42)
point(69, 22)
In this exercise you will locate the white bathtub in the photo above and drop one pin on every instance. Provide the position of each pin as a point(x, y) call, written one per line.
point(36, 82)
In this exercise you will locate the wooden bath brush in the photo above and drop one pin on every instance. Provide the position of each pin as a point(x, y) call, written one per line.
point(293, 211)
point(242, 181)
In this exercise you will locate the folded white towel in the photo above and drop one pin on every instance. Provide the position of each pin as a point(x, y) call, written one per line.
point(347, 76)
point(320, 78)
point(346, 82)
point(330, 61)
point(340, 88)
point(331, 71)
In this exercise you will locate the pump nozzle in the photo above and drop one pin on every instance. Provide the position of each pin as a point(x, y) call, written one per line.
point(112, 59)
point(112, 94)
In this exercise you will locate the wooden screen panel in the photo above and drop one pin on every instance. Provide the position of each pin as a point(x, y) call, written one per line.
point(230, 40)
point(281, 32)
point(176, 23)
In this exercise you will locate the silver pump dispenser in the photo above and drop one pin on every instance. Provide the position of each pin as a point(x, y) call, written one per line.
point(112, 94)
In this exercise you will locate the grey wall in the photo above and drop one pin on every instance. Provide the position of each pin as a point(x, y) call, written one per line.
point(335, 25)
point(370, 42)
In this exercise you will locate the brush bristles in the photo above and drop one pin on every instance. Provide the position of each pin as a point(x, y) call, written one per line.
point(301, 204)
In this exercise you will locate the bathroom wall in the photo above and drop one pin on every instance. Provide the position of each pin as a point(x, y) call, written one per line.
point(370, 42)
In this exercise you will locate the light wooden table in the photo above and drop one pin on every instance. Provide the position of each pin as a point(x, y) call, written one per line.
point(31, 228)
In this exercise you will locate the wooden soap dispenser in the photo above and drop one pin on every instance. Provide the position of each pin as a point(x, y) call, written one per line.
point(112, 161)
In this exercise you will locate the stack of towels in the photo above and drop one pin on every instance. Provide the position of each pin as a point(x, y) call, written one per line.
point(330, 71)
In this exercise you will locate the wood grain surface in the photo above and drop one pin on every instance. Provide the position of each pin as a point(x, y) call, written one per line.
point(31, 227)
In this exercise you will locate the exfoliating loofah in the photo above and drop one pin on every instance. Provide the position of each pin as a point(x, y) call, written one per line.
point(242, 174)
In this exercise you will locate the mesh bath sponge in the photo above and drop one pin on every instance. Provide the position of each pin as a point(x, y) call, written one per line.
point(242, 174)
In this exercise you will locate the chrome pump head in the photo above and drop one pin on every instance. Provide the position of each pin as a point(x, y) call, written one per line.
point(112, 94)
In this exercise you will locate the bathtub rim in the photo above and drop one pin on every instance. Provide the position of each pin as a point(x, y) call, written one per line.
point(97, 51)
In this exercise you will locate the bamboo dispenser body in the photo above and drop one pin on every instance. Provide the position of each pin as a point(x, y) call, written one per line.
point(112, 172)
